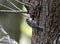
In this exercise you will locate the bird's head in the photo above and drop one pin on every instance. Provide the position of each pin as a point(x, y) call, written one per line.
point(28, 19)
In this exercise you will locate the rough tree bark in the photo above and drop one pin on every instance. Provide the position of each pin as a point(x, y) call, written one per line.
point(52, 23)
point(46, 14)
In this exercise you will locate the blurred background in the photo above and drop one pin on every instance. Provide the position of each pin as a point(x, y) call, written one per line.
point(14, 23)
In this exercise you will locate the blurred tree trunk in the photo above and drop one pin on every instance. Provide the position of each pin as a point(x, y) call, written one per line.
point(49, 18)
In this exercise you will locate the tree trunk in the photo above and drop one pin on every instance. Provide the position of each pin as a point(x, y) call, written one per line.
point(46, 14)
point(52, 23)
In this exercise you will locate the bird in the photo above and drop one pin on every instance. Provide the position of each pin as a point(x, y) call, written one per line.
point(33, 24)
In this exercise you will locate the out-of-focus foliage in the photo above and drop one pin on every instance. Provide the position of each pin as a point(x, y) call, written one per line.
point(26, 29)
point(25, 39)
point(14, 23)
point(24, 26)
point(11, 24)
point(11, 21)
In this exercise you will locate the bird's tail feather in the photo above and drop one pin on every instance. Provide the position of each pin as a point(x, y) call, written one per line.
point(40, 28)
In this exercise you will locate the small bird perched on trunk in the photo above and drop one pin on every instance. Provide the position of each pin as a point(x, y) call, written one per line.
point(33, 24)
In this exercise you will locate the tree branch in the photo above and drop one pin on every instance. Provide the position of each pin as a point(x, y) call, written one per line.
point(14, 5)
point(26, 4)
point(6, 6)
point(6, 38)
point(13, 11)
point(1, 28)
